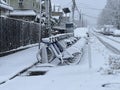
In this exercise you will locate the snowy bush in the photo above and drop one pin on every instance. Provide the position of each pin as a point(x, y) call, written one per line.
point(114, 62)
point(112, 66)
point(108, 71)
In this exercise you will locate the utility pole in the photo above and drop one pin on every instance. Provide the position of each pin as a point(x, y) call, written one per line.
point(40, 24)
point(74, 7)
point(48, 17)
point(118, 14)
point(80, 18)
point(73, 10)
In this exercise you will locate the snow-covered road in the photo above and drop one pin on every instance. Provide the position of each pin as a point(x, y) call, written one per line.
point(109, 43)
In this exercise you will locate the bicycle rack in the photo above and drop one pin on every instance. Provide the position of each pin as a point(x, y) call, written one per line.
point(43, 51)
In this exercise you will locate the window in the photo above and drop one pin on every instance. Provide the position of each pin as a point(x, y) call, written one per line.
point(5, 0)
point(20, 3)
point(33, 4)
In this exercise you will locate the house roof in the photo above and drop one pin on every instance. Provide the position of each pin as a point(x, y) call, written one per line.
point(59, 28)
point(4, 5)
point(23, 13)
point(56, 17)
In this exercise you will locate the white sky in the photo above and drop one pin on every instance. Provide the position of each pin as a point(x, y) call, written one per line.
point(84, 5)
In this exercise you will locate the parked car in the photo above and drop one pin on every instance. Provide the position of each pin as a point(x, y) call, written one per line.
point(116, 33)
point(107, 30)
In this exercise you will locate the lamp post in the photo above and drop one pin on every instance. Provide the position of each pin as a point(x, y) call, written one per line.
point(89, 48)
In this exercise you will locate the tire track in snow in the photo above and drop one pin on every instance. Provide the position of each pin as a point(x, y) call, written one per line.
point(108, 46)
point(109, 38)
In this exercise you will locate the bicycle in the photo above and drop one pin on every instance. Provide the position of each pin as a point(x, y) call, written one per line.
point(55, 50)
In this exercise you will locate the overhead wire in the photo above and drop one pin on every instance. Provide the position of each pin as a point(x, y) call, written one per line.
point(92, 8)
point(93, 17)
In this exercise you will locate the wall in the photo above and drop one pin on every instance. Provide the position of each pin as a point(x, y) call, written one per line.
point(16, 33)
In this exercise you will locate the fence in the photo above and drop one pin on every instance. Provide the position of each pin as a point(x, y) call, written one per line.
point(15, 33)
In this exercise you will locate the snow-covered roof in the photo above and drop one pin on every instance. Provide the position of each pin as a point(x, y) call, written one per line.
point(23, 13)
point(4, 5)
point(59, 28)
point(56, 17)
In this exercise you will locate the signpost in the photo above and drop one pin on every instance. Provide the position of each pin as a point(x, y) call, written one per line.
point(89, 49)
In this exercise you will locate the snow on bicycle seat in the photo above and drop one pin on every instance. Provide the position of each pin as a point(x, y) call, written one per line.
point(45, 40)
point(49, 40)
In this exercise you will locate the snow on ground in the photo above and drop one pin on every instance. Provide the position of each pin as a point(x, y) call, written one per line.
point(80, 32)
point(75, 77)
point(67, 78)
point(115, 38)
point(12, 64)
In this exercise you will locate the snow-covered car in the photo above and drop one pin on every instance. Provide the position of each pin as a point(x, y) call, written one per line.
point(116, 33)
point(107, 31)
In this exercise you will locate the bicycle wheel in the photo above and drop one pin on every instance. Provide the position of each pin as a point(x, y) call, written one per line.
point(74, 60)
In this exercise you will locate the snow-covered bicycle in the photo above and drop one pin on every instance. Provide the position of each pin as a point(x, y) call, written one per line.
point(56, 50)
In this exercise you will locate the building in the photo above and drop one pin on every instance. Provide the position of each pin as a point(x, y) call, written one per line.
point(4, 8)
point(24, 9)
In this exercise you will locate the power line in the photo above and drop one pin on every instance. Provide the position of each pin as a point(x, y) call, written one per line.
point(66, 4)
point(87, 7)
point(89, 16)
point(86, 14)
point(95, 9)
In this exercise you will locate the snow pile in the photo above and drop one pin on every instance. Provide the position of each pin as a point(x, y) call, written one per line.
point(81, 32)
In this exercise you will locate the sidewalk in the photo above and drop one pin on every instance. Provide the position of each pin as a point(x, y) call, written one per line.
point(12, 64)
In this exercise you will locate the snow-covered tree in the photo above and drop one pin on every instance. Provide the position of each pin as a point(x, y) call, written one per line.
point(110, 14)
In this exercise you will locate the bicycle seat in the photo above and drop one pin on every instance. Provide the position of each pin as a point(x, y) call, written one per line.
point(46, 41)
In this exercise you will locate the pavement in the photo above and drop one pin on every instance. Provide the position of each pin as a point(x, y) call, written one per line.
point(11, 65)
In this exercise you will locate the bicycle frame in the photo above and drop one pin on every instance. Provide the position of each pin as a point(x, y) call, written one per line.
point(57, 52)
